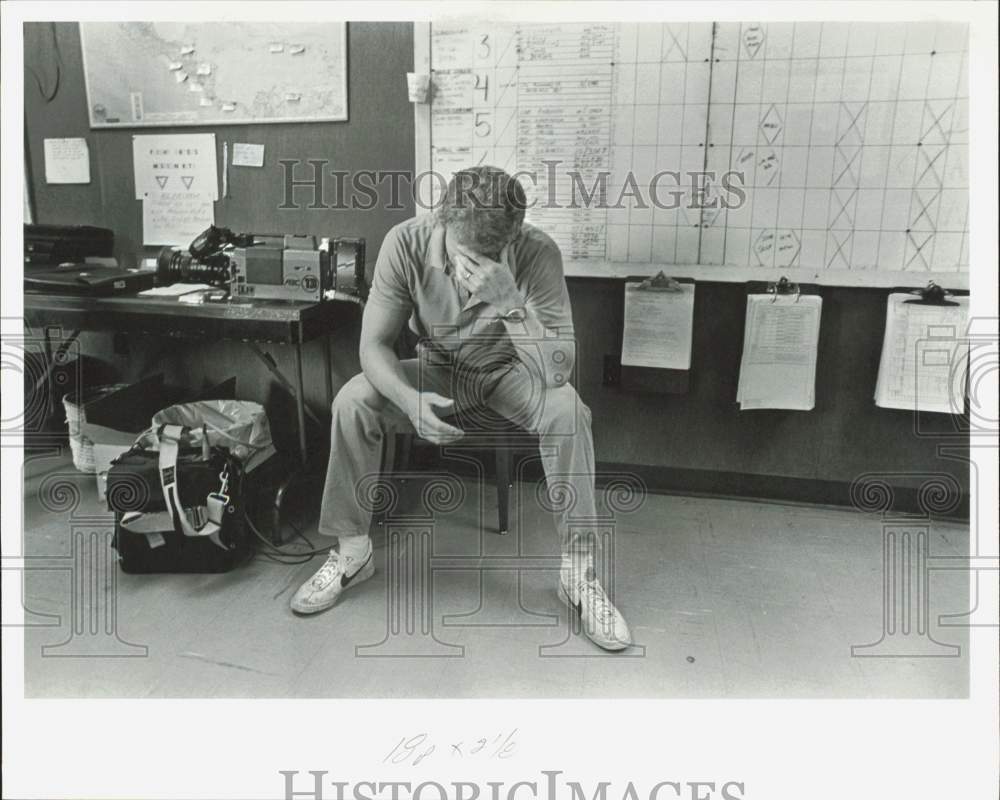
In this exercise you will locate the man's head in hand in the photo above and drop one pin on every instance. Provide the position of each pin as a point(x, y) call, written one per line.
point(482, 211)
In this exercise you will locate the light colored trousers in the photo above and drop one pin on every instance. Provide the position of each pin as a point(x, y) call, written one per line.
point(363, 418)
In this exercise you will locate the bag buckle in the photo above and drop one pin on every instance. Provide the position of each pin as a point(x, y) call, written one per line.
point(216, 503)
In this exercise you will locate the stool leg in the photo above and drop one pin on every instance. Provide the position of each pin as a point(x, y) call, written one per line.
point(503, 488)
point(406, 443)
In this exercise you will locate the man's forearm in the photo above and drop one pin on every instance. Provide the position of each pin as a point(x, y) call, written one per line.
point(533, 341)
point(384, 371)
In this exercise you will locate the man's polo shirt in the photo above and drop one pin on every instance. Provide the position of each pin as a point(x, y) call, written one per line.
point(413, 273)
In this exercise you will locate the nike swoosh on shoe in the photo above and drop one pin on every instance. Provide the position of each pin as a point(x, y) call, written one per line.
point(346, 579)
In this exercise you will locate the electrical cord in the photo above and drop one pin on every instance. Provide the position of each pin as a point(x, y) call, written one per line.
point(274, 551)
point(49, 96)
point(300, 534)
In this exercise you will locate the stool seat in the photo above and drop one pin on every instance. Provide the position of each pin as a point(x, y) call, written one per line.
point(484, 425)
point(484, 429)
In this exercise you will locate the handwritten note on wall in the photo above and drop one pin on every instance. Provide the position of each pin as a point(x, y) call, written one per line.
point(175, 162)
point(176, 178)
point(175, 218)
point(248, 155)
point(67, 161)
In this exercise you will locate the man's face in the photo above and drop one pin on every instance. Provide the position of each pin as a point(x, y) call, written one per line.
point(455, 241)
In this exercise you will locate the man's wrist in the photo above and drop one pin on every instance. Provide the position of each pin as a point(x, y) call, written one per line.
point(408, 400)
point(511, 304)
point(518, 314)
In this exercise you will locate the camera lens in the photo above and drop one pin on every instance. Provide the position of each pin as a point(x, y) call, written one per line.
point(174, 265)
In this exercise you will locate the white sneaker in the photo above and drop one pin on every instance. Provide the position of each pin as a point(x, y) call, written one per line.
point(602, 622)
point(321, 591)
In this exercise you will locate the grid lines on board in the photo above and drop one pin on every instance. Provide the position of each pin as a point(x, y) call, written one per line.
point(851, 138)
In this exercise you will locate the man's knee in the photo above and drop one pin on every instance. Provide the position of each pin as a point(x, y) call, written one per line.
point(563, 412)
point(357, 395)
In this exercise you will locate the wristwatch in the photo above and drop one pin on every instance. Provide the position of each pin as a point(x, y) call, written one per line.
point(516, 314)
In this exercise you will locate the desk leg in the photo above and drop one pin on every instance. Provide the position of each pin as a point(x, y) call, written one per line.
point(300, 404)
point(272, 367)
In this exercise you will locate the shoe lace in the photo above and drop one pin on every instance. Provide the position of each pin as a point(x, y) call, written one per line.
point(329, 569)
point(598, 602)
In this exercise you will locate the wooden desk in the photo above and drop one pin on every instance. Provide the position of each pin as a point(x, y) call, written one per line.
point(256, 323)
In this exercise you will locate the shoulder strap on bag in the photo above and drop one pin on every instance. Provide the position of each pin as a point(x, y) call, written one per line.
point(170, 437)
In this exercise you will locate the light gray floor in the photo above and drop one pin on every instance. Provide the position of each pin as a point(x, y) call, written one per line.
point(725, 599)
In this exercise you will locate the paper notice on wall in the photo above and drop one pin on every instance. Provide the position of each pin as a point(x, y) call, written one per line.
point(67, 161)
point(780, 343)
point(418, 86)
point(658, 327)
point(924, 356)
point(248, 155)
point(175, 163)
point(175, 218)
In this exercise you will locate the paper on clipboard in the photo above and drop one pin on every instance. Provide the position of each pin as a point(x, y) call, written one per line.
point(658, 327)
point(924, 353)
point(780, 343)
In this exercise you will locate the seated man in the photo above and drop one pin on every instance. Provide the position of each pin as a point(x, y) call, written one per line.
point(486, 294)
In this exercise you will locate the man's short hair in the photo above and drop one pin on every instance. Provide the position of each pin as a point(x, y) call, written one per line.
point(484, 207)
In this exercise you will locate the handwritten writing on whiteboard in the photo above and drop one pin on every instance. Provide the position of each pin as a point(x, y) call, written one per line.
point(851, 138)
point(519, 96)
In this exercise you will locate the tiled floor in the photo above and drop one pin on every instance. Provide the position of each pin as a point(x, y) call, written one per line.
point(724, 598)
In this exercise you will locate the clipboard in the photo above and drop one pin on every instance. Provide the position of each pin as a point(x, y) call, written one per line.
point(752, 391)
point(650, 380)
point(931, 295)
point(781, 288)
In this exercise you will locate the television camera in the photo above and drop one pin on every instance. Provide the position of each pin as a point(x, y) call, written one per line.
point(268, 266)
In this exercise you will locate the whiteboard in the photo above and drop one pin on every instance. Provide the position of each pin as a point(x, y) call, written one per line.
point(851, 140)
point(141, 74)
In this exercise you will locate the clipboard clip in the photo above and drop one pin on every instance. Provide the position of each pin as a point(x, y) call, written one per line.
point(783, 287)
point(659, 283)
point(932, 295)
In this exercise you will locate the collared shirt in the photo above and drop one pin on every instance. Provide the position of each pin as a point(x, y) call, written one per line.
point(414, 273)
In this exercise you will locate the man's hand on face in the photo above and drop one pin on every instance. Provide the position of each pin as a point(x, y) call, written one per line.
point(489, 280)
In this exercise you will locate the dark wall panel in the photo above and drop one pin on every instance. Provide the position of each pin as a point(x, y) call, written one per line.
point(845, 436)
